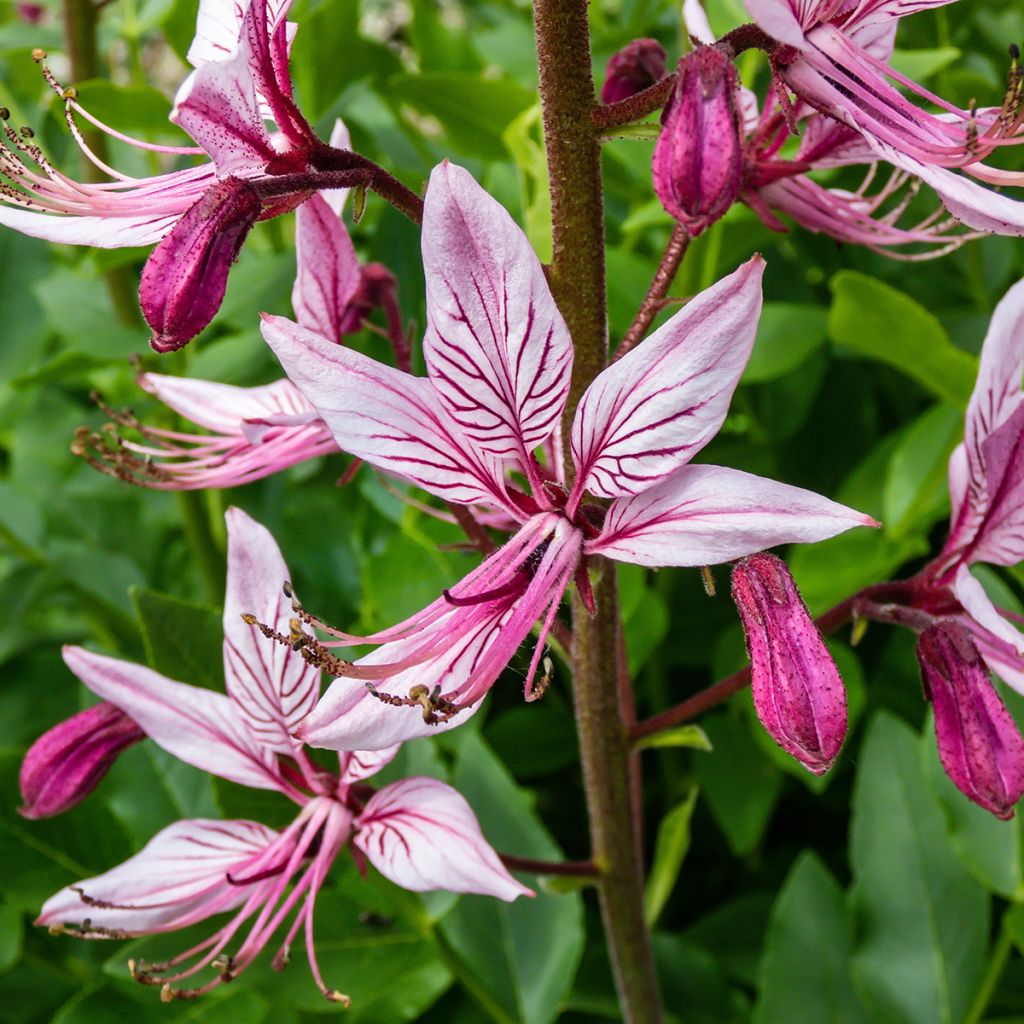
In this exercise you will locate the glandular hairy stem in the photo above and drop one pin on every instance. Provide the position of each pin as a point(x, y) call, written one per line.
point(577, 278)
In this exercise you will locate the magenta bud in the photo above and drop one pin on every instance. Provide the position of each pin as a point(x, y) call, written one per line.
point(66, 763)
point(31, 14)
point(797, 690)
point(185, 277)
point(698, 159)
point(636, 66)
point(980, 745)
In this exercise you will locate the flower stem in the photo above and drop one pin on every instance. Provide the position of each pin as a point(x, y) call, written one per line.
point(996, 965)
point(577, 278)
point(80, 24)
point(573, 868)
point(663, 278)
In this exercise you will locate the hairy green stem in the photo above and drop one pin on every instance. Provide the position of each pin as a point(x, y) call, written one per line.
point(577, 279)
point(80, 26)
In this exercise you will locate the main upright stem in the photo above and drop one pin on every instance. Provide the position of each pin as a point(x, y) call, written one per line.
point(577, 279)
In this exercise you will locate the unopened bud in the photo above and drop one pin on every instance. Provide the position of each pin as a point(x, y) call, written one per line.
point(632, 69)
point(979, 743)
point(698, 159)
point(66, 764)
point(185, 277)
point(798, 693)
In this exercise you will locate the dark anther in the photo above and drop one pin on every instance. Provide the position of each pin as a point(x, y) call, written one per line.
point(26, 132)
point(1014, 51)
point(5, 114)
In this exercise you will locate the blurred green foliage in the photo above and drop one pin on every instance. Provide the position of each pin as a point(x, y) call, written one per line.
point(878, 894)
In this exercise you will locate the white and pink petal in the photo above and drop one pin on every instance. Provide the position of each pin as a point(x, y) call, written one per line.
point(422, 835)
point(327, 269)
point(651, 411)
point(704, 515)
point(496, 347)
point(389, 418)
point(271, 685)
point(198, 726)
point(179, 877)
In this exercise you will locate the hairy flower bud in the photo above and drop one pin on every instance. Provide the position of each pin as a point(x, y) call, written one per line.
point(185, 277)
point(632, 69)
point(66, 763)
point(698, 159)
point(979, 743)
point(797, 690)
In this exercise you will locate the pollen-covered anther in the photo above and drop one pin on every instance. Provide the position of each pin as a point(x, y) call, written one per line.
point(334, 996)
point(38, 54)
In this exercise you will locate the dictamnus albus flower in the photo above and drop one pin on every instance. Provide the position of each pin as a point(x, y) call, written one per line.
point(418, 832)
point(499, 359)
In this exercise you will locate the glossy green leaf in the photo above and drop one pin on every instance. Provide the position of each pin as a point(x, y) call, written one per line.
point(183, 641)
point(805, 971)
point(877, 321)
point(518, 959)
point(922, 920)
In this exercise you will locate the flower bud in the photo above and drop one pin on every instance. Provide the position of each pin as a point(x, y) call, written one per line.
point(632, 69)
point(698, 159)
point(185, 277)
point(979, 743)
point(798, 693)
point(66, 764)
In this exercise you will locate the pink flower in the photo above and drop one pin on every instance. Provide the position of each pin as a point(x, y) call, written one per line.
point(986, 487)
point(200, 216)
point(499, 360)
point(798, 693)
point(68, 761)
point(253, 432)
point(698, 159)
point(979, 743)
point(418, 832)
point(834, 55)
point(773, 184)
point(240, 55)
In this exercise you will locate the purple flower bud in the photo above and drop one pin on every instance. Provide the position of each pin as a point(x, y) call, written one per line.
point(31, 14)
point(636, 66)
point(698, 159)
point(185, 277)
point(66, 764)
point(798, 692)
point(979, 743)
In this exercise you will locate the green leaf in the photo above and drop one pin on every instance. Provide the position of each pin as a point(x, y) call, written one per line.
point(524, 138)
point(741, 786)
point(805, 969)
point(920, 65)
point(990, 849)
point(670, 849)
point(787, 334)
point(915, 480)
point(879, 322)
point(923, 921)
point(692, 736)
point(473, 111)
point(518, 959)
point(183, 640)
